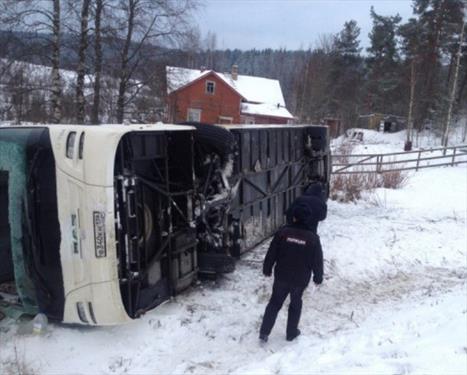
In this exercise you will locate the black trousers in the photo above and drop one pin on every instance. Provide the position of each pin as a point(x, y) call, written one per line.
point(280, 291)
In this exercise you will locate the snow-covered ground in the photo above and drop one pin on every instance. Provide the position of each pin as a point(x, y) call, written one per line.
point(426, 149)
point(378, 142)
point(37, 82)
point(393, 302)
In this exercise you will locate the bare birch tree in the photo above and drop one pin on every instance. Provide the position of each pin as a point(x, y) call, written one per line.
point(81, 70)
point(453, 88)
point(56, 81)
point(99, 7)
point(142, 22)
point(40, 17)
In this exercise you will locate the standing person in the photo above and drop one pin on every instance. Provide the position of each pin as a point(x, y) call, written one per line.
point(296, 253)
point(315, 200)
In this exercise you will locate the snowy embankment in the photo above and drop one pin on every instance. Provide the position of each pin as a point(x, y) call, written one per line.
point(393, 301)
point(375, 142)
point(426, 150)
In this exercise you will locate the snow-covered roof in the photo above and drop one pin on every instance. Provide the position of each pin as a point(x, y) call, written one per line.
point(37, 73)
point(253, 89)
point(265, 109)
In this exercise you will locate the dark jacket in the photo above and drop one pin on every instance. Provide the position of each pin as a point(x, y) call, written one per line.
point(314, 199)
point(296, 253)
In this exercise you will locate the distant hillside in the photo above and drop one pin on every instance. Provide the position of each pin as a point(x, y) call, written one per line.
point(279, 64)
point(25, 95)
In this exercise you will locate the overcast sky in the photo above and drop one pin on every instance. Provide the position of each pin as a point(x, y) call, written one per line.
point(292, 24)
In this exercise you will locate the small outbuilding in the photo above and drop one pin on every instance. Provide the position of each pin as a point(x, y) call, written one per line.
point(334, 124)
point(382, 122)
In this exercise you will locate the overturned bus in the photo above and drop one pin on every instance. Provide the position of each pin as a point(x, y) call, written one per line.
point(99, 224)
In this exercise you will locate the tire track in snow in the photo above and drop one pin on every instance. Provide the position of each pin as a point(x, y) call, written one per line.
point(340, 304)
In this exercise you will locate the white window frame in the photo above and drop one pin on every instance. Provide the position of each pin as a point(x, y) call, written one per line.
point(193, 114)
point(226, 119)
point(213, 87)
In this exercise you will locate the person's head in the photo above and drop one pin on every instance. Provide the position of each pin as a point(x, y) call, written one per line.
point(315, 189)
point(300, 214)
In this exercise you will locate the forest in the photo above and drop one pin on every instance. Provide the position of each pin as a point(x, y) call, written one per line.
point(103, 61)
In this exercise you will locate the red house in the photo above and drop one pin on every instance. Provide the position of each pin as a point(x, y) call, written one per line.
point(224, 98)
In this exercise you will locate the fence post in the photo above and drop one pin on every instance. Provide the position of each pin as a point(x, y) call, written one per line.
point(418, 160)
point(453, 156)
point(378, 164)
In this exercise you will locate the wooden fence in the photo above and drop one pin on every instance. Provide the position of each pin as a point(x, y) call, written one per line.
point(399, 161)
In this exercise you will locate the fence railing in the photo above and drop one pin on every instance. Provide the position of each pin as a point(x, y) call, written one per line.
point(399, 161)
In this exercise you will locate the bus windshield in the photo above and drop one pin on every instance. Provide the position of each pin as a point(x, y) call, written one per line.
point(29, 228)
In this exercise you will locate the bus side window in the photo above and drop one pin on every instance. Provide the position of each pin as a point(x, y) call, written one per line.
point(81, 146)
point(70, 145)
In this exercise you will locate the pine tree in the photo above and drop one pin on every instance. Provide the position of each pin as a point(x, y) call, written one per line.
point(346, 75)
point(383, 82)
point(438, 23)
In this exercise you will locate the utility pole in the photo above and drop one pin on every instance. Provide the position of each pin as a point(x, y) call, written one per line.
point(454, 85)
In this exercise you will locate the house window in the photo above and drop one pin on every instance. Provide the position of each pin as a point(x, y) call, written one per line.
point(194, 114)
point(225, 120)
point(210, 87)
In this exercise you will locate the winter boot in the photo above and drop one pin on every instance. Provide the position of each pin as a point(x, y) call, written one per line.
point(293, 337)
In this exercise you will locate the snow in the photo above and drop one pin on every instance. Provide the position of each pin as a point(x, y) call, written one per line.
point(379, 142)
point(265, 109)
point(38, 73)
point(393, 302)
point(179, 77)
point(38, 78)
point(41, 73)
point(384, 143)
point(257, 89)
point(420, 338)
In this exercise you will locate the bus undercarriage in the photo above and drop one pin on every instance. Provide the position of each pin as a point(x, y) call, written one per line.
point(184, 203)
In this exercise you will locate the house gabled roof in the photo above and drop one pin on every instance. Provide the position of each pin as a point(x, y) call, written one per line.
point(260, 93)
point(179, 78)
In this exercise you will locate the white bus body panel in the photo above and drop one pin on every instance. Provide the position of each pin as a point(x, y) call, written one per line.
point(85, 187)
